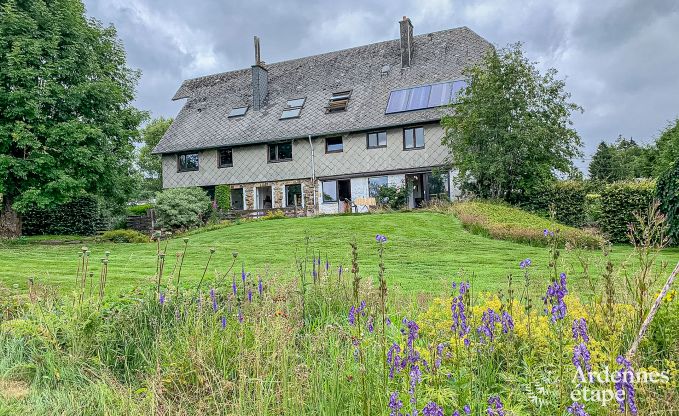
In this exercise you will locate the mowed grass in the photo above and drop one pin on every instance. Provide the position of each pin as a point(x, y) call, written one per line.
point(425, 252)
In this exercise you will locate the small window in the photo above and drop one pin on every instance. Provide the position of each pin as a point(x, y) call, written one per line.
point(293, 108)
point(338, 102)
point(225, 158)
point(187, 162)
point(413, 138)
point(374, 185)
point(377, 139)
point(334, 145)
point(329, 191)
point(280, 152)
point(293, 195)
point(238, 111)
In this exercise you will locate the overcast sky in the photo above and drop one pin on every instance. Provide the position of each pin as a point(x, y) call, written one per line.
point(620, 58)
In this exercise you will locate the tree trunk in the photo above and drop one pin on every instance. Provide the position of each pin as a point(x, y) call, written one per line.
point(10, 220)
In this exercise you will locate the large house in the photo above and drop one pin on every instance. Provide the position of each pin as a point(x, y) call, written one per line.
point(322, 131)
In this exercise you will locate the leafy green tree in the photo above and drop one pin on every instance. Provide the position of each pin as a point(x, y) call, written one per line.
point(668, 148)
point(604, 165)
point(623, 160)
point(150, 164)
point(66, 123)
point(511, 128)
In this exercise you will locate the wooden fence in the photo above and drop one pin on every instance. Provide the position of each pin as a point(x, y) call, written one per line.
point(291, 212)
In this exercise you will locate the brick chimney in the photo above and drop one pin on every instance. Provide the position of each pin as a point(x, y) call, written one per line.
point(260, 80)
point(406, 29)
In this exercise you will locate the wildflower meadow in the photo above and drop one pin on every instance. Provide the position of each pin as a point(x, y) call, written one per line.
point(324, 339)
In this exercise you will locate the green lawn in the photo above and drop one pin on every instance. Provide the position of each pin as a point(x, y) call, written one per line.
point(424, 253)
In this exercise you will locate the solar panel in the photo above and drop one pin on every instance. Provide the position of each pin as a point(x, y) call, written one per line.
point(238, 111)
point(425, 96)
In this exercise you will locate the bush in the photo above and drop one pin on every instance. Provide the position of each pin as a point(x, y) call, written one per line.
point(566, 198)
point(125, 236)
point(619, 202)
point(394, 197)
point(223, 197)
point(139, 209)
point(667, 192)
point(592, 208)
point(503, 222)
point(81, 216)
point(181, 208)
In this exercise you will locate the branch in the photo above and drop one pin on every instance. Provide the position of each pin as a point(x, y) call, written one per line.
point(649, 318)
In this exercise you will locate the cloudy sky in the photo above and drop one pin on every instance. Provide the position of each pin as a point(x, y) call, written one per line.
point(620, 57)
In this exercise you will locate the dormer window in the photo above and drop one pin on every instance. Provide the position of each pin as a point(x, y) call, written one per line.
point(238, 112)
point(293, 108)
point(338, 102)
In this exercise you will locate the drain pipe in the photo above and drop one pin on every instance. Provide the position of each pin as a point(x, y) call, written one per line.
point(313, 175)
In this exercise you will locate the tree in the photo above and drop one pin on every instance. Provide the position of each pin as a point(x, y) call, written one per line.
point(623, 160)
point(66, 123)
point(667, 192)
point(150, 164)
point(604, 165)
point(668, 148)
point(510, 130)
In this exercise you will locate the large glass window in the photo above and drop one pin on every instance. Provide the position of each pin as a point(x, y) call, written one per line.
point(280, 152)
point(293, 195)
point(225, 158)
point(334, 145)
point(329, 191)
point(377, 139)
point(375, 183)
point(187, 162)
point(413, 138)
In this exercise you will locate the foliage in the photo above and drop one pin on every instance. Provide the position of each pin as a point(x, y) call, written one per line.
point(125, 236)
point(139, 209)
point(232, 346)
point(619, 202)
point(503, 222)
point(78, 217)
point(181, 208)
point(592, 209)
point(223, 197)
point(66, 121)
point(667, 193)
point(565, 199)
point(394, 197)
point(274, 215)
point(668, 147)
point(510, 130)
point(623, 160)
point(150, 164)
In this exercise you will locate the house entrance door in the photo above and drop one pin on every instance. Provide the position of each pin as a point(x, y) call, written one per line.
point(344, 195)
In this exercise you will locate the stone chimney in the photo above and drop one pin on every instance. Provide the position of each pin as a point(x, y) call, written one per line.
point(406, 42)
point(260, 80)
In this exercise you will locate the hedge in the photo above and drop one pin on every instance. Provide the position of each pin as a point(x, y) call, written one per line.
point(566, 198)
point(619, 202)
point(81, 216)
point(667, 192)
point(223, 197)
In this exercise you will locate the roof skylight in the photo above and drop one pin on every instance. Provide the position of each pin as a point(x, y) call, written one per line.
point(338, 102)
point(293, 108)
point(238, 111)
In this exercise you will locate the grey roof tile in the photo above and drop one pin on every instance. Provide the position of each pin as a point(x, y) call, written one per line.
point(203, 123)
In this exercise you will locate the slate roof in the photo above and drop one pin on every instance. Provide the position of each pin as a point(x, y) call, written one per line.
point(203, 123)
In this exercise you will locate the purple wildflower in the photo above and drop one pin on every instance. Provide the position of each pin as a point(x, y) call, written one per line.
point(327, 265)
point(393, 359)
point(387, 321)
point(213, 297)
point(581, 358)
point(467, 409)
point(576, 409)
point(432, 409)
point(352, 315)
point(223, 322)
point(507, 322)
point(555, 297)
point(525, 263)
point(380, 238)
point(439, 354)
point(415, 378)
point(487, 329)
point(495, 407)
point(580, 330)
point(361, 308)
point(234, 288)
point(242, 272)
point(395, 405)
point(249, 295)
point(413, 330)
point(260, 287)
point(161, 300)
point(339, 272)
point(240, 316)
point(624, 386)
point(370, 325)
point(457, 308)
